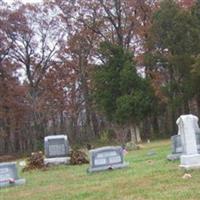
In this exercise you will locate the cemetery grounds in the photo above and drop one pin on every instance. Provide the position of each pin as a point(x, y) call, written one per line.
point(149, 177)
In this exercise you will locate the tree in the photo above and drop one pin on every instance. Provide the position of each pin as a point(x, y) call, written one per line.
point(120, 93)
point(171, 42)
point(120, 22)
point(195, 72)
point(12, 93)
point(37, 39)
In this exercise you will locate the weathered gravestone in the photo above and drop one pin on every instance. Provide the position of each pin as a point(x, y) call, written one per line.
point(9, 175)
point(56, 149)
point(105, 158)
point(176, 146)
point(188, 126)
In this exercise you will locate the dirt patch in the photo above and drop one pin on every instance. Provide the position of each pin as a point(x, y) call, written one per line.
point(8, 158)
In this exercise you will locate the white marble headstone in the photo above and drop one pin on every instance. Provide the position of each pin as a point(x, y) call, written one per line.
point(188, 126)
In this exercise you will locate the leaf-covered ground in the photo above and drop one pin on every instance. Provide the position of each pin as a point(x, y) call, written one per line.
point(147, 177)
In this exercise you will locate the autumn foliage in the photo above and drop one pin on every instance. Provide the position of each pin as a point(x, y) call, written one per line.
point(50, 53)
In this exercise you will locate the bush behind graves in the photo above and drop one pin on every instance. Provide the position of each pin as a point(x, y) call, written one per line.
point(104, 137)
point(78, 157)
point(130, 146)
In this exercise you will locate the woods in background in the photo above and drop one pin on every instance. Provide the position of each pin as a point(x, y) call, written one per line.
point(122, 69)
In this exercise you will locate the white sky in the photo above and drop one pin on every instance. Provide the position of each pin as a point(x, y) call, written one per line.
point(24, 1)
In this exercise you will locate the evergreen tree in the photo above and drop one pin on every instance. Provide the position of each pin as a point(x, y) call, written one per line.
point(123, 95)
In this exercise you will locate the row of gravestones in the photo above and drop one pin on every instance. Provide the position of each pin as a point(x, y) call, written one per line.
point(57, 152)
point(185, 145)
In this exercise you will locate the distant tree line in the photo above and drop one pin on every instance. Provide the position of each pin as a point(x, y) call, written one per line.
point(124, 69)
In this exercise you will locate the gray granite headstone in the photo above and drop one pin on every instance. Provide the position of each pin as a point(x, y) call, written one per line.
point(56, 149)
point(105, 158)
point(56, 146)
point(9, 175)
point(176, 146)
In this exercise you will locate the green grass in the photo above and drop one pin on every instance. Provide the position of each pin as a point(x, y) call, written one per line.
point(147, 177)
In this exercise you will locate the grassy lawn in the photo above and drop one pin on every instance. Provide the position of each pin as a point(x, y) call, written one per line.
point(147, 177)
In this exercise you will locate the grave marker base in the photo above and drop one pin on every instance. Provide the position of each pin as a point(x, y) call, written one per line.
point(57, 161)
point(190, 161)
point(17, 182)
point(103, 168)
point(174, 156)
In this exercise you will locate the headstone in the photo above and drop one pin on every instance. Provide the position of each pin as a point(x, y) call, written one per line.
point(9, 175)
point(198, 141)
point(56, 149)
point(176, 146)
point(105, 158)
point(188, 126)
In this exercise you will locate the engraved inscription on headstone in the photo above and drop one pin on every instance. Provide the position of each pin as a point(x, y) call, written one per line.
point(6, 173)
point(99, 161)
point(115, 159)
point(106, 158)
point(57, 147)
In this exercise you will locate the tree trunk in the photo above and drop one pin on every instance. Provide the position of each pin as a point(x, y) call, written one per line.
point(198, 105)
point(62, 125)
point(155, 126)
point(138, 137)
point(173, 119)
point(135, 134)
point(186, 107)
